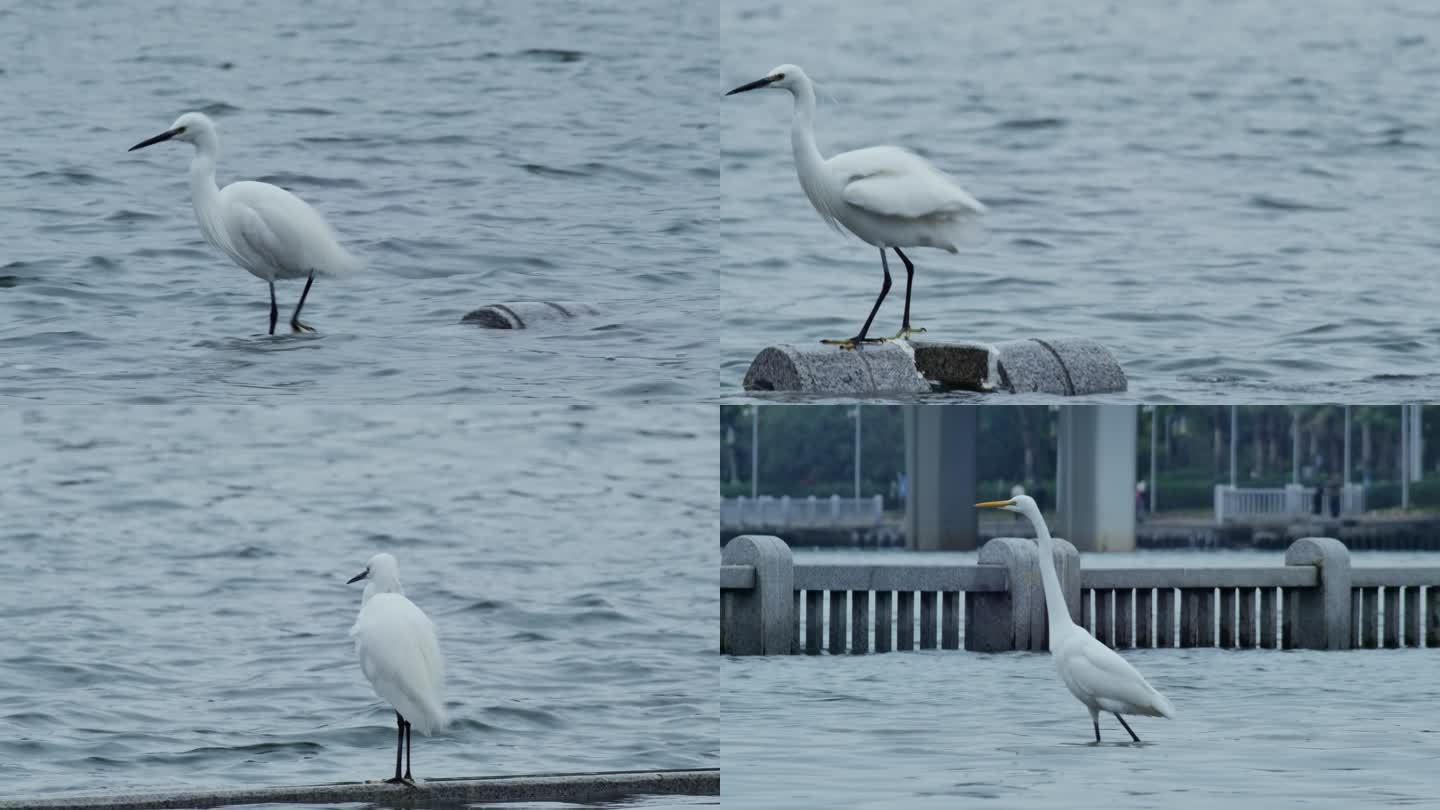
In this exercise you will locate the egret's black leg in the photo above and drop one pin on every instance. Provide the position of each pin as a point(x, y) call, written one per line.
point(274, 309)
point(399, 745)
point(884, 290)
point(905, 330)
point(408, 735)
point(1096, 721)
point(855, 342)
point(295, 324)
point(1127, 726)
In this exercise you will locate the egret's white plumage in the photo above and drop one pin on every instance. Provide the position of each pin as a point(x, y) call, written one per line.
point(887, 196)
point(399, 652)
point(263, 228)
point(1095, 674)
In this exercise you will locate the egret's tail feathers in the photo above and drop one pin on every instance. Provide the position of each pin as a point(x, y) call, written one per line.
point(343, 265)
point(432, 720)
point(1163, 707)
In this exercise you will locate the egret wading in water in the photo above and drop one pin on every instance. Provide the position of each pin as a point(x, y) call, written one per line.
point(1095, 674)
point(400, 656)
point(885, 195)
point(263, 228)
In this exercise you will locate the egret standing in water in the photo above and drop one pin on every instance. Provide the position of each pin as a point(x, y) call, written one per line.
point(400, 656)
point(1095, 674)
point(887, 196)
point(263, 228)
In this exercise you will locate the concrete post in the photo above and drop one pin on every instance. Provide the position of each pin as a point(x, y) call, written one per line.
point(1097, 475)
point(1006, 620)
point(940, 465)
point(1015, 619)
point(760, 620)
point(1319, 618)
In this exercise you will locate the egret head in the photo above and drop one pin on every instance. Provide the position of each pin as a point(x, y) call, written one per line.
point(192, 127)
point(1022, 504)
point(785, 77)
point(383, 573)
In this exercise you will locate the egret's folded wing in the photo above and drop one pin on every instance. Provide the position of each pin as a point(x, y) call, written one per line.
point(254, 238)
point(1101, 672)
point(894, 182)
point(400, 656)
point(282, 229)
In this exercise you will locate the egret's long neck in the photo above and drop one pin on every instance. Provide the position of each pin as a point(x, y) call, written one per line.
point(1055, 608)
point(381, 584)
point(808, 159)
point(204, 193)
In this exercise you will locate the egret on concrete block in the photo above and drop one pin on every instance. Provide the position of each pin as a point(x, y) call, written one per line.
point(400, 656)
point(887, 196)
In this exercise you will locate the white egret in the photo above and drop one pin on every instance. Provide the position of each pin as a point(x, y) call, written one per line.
point(400, 656)
point(263, 228)
point(885, 195)
point(1095, 674)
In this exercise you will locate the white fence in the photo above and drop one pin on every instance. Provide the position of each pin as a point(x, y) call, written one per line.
point(1292, 500)
point(769, 512)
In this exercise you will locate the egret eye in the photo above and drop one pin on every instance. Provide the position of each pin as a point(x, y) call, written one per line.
point(779, 77)
point(179, 130)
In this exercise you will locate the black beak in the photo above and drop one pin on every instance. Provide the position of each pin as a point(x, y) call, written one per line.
point(164, 136)
point(362, 574)
point(755, 85)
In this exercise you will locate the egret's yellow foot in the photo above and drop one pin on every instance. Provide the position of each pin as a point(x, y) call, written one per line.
point(904, 334)
point(852, 343)
point(298, 327)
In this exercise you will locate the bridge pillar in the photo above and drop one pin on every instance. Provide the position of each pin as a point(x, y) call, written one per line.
point(1097, 476)
point(940, 511)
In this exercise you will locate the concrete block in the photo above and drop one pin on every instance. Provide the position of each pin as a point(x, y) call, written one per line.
point(1064, 367)
point(884, 368)
point(527, 314)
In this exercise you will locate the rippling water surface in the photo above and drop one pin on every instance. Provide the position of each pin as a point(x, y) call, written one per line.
point(175, 607)
point(1237, 197)
point(469, 153)
point(941, 729)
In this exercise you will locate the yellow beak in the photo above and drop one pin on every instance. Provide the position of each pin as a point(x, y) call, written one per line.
point(995, 504)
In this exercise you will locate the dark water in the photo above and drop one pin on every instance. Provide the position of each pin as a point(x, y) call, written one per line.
point(175, 608)
point(944, 729)
point(468, 153)
point(1235, 197)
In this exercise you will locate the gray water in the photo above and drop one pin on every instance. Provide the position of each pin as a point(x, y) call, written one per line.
point(175, 607)
point(952, 729)
point(1237, 198)
point(1256, 728)
point(468, 153)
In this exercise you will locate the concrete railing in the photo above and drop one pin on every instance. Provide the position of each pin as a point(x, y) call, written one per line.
point(1314, 600)
point(784, 512)
point(1292, 500)
point(579, 788)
